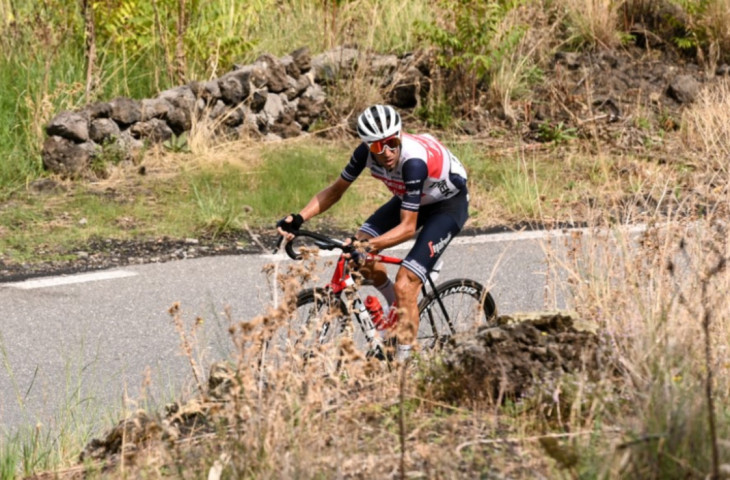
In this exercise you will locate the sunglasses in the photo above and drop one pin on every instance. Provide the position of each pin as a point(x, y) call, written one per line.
point(379, 146)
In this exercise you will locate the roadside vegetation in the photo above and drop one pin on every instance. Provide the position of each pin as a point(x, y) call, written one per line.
point(660, 410)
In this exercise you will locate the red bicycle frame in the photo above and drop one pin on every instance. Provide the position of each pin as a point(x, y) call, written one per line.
point(341, 277)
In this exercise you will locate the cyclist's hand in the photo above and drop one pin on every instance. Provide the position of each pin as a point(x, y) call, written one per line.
point(289, 225)
point(357, 250)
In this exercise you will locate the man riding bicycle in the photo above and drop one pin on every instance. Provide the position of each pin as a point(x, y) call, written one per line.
point(429, 193)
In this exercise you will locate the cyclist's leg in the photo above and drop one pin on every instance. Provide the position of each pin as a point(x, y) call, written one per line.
point(440, 223)
point(407, 286)
point(382, 220)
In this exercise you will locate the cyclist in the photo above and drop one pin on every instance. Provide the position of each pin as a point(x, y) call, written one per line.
point(429, 193)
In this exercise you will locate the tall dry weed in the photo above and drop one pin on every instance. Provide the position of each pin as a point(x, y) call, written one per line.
point(706, 126)
point(517, 70)
point(660, 299)
point(592, 23)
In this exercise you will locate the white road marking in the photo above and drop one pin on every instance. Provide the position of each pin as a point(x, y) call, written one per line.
point(68, 280)
point(486, 238)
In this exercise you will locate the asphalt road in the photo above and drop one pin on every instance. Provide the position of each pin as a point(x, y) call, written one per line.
point(83, 348)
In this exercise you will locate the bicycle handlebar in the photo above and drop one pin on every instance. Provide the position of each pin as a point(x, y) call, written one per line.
point(322, 241)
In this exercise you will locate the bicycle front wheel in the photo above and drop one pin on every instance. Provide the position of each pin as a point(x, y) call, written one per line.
point(455, 306)
point(320, 316)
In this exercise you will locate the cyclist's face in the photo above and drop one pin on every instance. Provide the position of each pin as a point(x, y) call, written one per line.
point(388, 158)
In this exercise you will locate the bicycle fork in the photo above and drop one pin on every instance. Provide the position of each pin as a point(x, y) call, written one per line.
point(365, 320)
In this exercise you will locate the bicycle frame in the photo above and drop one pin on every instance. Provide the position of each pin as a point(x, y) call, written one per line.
point(341, 280)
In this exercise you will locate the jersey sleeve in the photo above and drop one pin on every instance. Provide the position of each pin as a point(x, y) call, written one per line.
point(357, 163)
point(415, 172)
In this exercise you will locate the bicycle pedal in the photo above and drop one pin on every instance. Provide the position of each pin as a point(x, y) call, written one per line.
point(377, 353)
point(384, 353)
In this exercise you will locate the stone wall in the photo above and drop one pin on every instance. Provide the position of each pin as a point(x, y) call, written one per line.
point(272, 98)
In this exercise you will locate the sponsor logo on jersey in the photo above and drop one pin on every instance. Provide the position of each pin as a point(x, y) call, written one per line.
point(442, 186)
point(437, 248)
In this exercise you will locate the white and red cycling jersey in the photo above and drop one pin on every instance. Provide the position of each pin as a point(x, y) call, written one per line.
point(427, 172)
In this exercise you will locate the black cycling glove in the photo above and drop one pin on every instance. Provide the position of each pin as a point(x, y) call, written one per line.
point(292, 226)
point(359, 254)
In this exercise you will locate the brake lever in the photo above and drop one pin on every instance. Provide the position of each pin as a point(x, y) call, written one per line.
point(278, 244)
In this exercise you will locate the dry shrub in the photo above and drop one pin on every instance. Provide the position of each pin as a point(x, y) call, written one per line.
point(716, 20)
point(593, 22)
point(289, 413)
point(515, 71)
point(279, 409)
point(661, 298)
point(706, 125)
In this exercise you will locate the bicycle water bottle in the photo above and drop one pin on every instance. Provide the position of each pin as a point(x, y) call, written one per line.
point(375, 309)
point(390, 318)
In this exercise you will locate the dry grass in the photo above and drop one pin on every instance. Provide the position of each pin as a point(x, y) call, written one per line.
point(706, 126)
point(659, 299)
point(593, 23)
point(516, 70)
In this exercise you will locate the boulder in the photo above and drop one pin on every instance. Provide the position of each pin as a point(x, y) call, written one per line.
point(126, 111)
point(103, 130)
point(155, 108)
point(66, 157)
point(302, 59)
point(70, 125)
point(155, 130)
point(180, 120)
point(335, 64)
point(683, 88)
point(517, 354)
point(273, 108)
point(407, 87)
point(99, 110)
point(276, 77)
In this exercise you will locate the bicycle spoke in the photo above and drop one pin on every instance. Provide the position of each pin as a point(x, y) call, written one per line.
point(460, 306)
point(317, 320)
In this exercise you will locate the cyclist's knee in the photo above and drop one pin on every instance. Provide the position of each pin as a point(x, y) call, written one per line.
point(407, 283)
point(374, 272)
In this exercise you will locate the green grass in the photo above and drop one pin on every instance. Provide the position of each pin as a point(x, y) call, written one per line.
point(200, 197)
point(45, 443)
point(205, 201)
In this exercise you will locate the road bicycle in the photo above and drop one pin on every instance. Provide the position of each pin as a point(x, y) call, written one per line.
point(326, 312)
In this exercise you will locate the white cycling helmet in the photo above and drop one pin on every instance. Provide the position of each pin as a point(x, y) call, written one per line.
point(378, 122)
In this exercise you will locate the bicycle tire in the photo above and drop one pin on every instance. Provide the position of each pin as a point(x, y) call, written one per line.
point(467, 303)
point(318, 318)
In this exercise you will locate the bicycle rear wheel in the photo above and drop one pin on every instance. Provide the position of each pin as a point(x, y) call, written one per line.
point(455, 306)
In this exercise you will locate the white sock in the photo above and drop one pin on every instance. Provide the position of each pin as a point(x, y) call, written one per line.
point(387, 289)
point(404, 352)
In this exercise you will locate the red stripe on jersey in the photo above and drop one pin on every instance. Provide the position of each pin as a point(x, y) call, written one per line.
point(435, 158)
point(396, 187)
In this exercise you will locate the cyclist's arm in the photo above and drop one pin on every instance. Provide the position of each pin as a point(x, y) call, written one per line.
point(415, 171)
point(400, 233)
point(323, 200)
